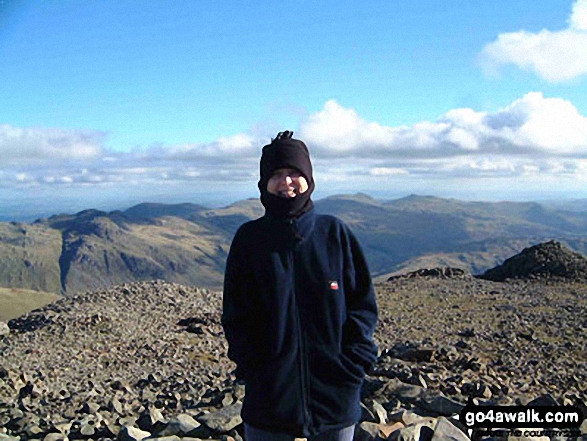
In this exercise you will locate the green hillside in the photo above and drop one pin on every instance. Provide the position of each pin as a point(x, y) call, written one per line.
point(17, 301)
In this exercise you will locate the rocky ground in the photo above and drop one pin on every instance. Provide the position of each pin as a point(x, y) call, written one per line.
point(148, 360)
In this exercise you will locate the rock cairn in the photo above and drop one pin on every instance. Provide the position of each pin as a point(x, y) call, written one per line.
point(546, 260)
point(444, 272)
point(147, 361)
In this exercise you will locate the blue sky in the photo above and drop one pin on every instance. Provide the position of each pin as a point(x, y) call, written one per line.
point(108, 103)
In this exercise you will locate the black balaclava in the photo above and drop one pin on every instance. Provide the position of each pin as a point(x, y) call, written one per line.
point(286, 152)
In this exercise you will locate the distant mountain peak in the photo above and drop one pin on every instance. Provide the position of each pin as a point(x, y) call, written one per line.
point(547, 259)
point(356, 197)
point(150, 210)
point(418, 197)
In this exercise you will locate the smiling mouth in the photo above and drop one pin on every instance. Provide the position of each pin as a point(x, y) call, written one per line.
point(288, 193)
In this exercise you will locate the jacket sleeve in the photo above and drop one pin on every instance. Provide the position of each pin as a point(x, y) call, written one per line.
point(361, 304)
point(237, 319)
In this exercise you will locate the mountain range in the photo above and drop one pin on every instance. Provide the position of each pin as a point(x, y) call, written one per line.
point(188, 243)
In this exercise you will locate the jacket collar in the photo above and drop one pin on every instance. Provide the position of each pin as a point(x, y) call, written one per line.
point(299, 228)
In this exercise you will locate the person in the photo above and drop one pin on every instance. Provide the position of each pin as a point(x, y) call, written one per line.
point(299, 309)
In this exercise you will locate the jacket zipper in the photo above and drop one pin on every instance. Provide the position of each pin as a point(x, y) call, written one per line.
point(301, 336)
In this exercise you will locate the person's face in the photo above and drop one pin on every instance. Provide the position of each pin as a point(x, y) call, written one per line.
point(287, 182)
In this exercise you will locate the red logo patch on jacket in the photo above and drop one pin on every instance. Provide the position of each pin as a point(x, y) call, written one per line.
point(334, 285)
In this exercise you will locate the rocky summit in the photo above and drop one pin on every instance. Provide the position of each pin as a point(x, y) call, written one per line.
point(546, 260)
point(148, 361)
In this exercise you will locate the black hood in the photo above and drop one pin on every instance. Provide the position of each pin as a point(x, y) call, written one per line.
point(286, 152)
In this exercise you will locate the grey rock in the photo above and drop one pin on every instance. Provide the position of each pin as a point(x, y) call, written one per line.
point(4, 437)
point(89, 407)
point(442, 405)
point(366, 431)
point(4, 330)
point(418, 432)
point(444, 430)
point(478, 390)
point(88, 427)
point(62, 426)
point(223, 420)
point(418, 380)
point(55, 437)
point(116, 406)
point(403, 391)
point(544, 400)
point(168, 438)
point(121, 385)
point(366, 414)
point(235, 435)
point(151, 420)
point(129, 433)
point(417, 355)
point(227, 400)
point(239, 391)
point(111, 427)
point(182, 424)
point(33, 430)
point(4, 420)
point(129, 421)
point(409, 418)
point(16, 413)
point(380, 412)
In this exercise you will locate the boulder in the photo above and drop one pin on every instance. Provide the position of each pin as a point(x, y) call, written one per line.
point(444, 430)
point(441, 405)
point(403, 391)
point(55, 437)
point(380, 411)
point(151, 420)
point(223, 420)
point(423, 431)
point(181, 425)
point(4, 330)
point(129, 433)
point(366, 431)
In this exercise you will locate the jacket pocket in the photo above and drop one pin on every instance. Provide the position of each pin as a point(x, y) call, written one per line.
point(332, 367)
point(352, 369)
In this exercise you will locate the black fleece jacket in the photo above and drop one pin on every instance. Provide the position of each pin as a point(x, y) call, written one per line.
point(299, 312)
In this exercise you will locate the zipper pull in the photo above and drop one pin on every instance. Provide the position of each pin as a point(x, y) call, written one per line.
point(294, 230)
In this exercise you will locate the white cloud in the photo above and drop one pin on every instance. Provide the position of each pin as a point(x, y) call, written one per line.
point(337, 129)
point(388, 171)
point(491, 165)
point(228, 148)
point(48, 145)
point(578, 19)
point(533, 136)
point(532, 124)
point(543, 124)
point(581, 167)
point(555, 56)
